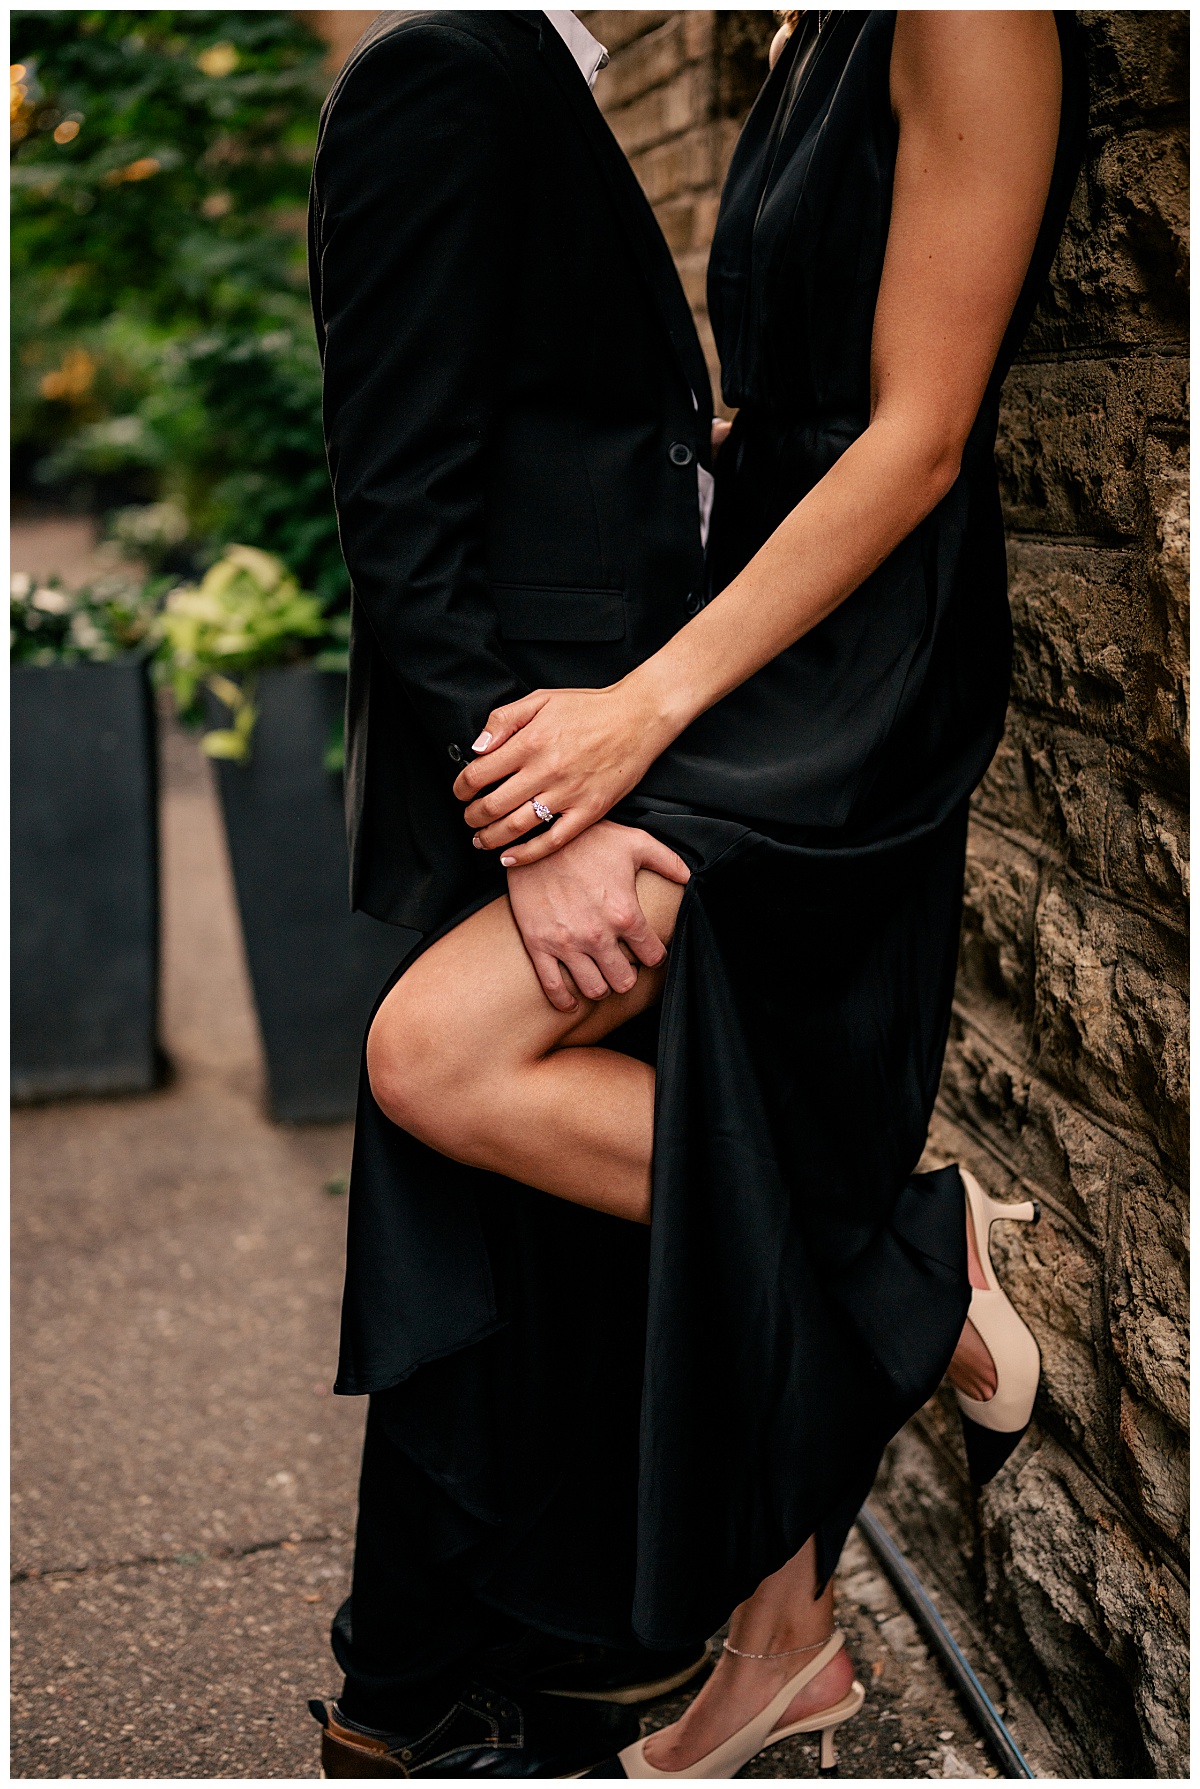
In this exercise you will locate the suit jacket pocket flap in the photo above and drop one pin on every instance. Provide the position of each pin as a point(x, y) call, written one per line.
point(548, 612)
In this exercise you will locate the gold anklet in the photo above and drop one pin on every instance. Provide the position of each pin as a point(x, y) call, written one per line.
point(790, 1652)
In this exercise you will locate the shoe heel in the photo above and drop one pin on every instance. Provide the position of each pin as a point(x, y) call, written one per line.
point(828, 1765)
point(1020, 1211)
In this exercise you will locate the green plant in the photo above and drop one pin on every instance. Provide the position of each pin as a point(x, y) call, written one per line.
point(50, 625)
point(162, 342)
point(247, 612)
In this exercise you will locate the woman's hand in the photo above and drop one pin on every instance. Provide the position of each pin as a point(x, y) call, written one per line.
point(576, 751)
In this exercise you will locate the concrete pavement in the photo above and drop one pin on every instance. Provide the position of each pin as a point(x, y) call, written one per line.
point(183, 1481)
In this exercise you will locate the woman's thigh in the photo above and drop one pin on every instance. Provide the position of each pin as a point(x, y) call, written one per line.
point(472, 1004)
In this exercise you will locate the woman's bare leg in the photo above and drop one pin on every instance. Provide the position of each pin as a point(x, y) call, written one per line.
point(782, 1614)
point(467, 1054)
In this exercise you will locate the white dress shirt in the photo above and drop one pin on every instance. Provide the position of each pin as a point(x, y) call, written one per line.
point(590, 55)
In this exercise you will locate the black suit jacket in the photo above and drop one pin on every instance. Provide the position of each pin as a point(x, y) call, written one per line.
point(515, 400)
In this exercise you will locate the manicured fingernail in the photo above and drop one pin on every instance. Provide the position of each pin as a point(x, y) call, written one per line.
point(482, 743)
point(508, 862)
point(477, 841)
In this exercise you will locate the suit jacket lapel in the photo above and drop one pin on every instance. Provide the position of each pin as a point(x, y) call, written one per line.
point(633, 209)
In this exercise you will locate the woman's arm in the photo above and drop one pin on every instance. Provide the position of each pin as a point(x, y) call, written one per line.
point(976, 96)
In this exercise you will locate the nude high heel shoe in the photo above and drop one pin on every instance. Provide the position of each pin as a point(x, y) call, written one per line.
point(992, 1427)
point(728, 1758)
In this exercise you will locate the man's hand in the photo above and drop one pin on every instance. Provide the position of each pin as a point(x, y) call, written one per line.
point(579, 908)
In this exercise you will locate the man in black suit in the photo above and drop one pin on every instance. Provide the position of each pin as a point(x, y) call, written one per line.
point(517, 416)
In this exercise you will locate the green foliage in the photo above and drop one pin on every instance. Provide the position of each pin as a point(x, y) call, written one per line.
point(163, 346)
point(247, 612)
point(49, 625)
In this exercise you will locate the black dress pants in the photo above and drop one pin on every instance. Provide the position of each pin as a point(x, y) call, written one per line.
point(406, 1635)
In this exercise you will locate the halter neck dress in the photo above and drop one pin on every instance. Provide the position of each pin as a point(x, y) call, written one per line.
point(626, 1432)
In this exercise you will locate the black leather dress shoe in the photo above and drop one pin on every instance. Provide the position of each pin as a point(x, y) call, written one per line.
point(631, 1676)
point(485, 1733)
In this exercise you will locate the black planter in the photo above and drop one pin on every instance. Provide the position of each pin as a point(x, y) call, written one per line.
point(84, 881)
point(315, 967)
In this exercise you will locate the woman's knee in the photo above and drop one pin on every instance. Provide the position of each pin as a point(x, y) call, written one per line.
point(412, 1059)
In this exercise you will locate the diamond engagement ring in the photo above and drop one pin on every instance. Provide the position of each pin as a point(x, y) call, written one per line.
point(540, 809)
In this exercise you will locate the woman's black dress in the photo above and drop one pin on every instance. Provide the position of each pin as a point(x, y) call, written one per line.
point(622, 1430)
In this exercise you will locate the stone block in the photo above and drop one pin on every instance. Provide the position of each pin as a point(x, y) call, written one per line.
point(1089, 802)
point(648, 61)
point(985, 1087)
point(1090, 1622)
point(1144, 1607)
point(699, 34)
point(683, 165)
point(727, 136)
point(742, 43)
point(693, 268)
point(1069, 448)
point(1157, 1454)
point(1006, 795)
point(1167, 481)
point(1051, 786)
point(615, 29)
point(1137, 62)
point(1049, 1148)
point(667, 111)
point(1069, 772)
point(1148, 1298)
point(677, 220)
point(1147, 856)
point(1000, 896)
point(1110, 1022)
point(707, 206)
point(1168, 394)
point(1120, 274)
point(1143, 177)
point(1089, 648)
point(1069, 1155)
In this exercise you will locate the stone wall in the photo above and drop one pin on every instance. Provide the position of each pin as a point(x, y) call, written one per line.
point(1066, 1073)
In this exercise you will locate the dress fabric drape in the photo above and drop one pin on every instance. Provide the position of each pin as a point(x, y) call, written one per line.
point(631, 1430)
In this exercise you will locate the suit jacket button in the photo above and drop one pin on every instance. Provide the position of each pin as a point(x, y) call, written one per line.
point(455, 753)
point(680, 454)
point(694, 603)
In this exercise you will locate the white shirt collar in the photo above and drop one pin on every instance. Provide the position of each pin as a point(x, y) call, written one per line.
point(589, 55)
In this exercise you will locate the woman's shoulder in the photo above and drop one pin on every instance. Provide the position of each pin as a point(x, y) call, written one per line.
point(971, 56)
